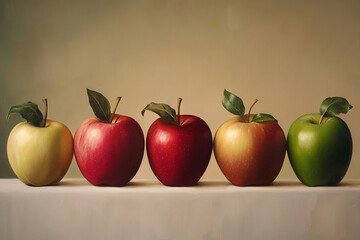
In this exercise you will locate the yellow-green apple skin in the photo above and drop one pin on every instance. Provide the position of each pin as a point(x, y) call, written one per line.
point(320, 154)
point(250, 153)
point(40, 155)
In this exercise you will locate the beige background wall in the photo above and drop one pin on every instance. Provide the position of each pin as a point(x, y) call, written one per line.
point(288, 54)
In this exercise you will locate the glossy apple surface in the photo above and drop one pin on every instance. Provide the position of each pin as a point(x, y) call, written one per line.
point(40, 155)
point(320, 154)
point(179, 154)
point(250, 153)
point(109, 153)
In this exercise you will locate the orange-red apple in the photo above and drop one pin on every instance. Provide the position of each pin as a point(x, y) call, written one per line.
point(249, 149)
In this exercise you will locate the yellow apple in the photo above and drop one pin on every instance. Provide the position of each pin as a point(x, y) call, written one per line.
point(250, 153)
point(249, 148)
point(40, 155)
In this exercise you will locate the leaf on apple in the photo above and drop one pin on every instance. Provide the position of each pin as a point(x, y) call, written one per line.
point(166, 112)
point(262, 117)
point(99, 104)
point(333, 106)
point(29, 111)
point(233, 103)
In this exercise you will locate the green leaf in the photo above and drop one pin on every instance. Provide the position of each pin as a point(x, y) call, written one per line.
point(333, 106)
point(233, 103)
point(262, 117)
point(29, 111)
point(99, 104)
point(166, 112)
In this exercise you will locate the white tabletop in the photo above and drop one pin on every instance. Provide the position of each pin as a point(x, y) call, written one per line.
point(145, 209)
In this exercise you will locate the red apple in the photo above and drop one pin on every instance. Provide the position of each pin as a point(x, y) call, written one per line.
point(178, 146)
point(249, 149)
point(108, 152)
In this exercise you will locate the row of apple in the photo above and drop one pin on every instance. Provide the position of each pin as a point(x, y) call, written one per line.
point(249, 148)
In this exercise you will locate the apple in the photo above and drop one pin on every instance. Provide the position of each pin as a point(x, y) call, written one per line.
point(320, 145)
point(108, 147)
point(178, 146)
point(249, 149)
point(39, 150)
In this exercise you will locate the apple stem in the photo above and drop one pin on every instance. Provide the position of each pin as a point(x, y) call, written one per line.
point(113, 113)
point(255, 101)
point(43, 123)
point(178, 112)
point(321, 118)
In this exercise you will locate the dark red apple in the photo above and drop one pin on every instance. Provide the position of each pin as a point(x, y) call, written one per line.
point(109, 152)
point(178, 146)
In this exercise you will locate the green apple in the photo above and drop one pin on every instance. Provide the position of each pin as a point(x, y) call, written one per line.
point(39, 150)
point(320, 145)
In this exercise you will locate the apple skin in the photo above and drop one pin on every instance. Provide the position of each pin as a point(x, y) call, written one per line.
point(179, 154)
point(319, 154)
point(109, 153)
point(250, 153)
point(40, 156)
